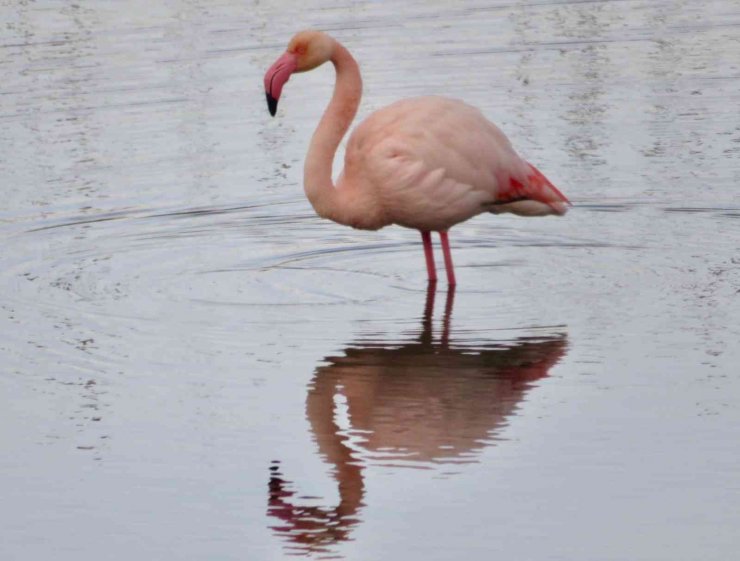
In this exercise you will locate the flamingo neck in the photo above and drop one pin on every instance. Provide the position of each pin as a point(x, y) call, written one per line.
point(317, 171)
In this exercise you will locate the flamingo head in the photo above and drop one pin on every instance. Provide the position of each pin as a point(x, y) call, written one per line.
point(306, 51)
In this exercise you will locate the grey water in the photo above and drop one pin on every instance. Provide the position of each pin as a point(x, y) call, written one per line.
point(194, 366)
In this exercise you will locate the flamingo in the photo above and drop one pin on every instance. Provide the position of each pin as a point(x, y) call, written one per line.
point(426, 163)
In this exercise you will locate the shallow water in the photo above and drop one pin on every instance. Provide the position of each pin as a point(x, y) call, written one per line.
point(195, 366)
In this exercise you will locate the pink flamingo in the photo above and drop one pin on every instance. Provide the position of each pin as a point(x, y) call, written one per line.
point(426, 163)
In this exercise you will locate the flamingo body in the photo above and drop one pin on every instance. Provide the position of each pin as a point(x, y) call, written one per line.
point(426, 163)
point(432, 162)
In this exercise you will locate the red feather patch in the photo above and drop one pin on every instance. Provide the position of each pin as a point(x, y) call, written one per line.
point(536, 188)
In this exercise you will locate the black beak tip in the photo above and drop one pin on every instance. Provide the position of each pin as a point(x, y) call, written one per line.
point(271, 104)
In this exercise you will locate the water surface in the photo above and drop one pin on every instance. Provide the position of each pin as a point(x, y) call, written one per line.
point(195, 366)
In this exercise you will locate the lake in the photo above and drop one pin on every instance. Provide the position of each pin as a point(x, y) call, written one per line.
point(193, 365)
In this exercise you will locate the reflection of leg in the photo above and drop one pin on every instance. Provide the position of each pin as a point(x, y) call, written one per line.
point(449, 303)
point(448, 258)
point(426, 237)
point(426, 320)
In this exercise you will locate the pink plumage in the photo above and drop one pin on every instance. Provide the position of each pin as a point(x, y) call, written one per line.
point(426, 163)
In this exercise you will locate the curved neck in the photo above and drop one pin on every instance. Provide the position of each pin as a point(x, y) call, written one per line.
point(317, 171)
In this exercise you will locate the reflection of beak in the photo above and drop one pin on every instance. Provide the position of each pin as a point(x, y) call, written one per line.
point(275, 79)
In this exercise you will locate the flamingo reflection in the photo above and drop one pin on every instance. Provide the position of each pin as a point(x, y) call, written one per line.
point(426, 401)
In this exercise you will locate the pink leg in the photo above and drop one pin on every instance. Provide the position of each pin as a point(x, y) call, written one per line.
point(448, 258)
point(426, 237)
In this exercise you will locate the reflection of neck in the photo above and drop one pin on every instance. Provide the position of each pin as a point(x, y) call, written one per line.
point(333, 444)
point(313, 527)
point(334, 123)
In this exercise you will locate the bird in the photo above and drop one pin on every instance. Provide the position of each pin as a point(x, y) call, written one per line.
point(426, 163)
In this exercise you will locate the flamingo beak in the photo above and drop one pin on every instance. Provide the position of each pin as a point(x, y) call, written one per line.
point(275, 79)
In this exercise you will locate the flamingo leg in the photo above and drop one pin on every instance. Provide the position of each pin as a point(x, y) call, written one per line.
point(448, 258)
point(426, 237)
